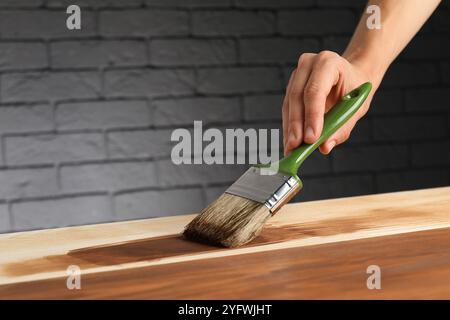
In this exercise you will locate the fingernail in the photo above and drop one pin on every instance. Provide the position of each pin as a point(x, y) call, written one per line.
point(331, 144)
point(291, 136)
point(309, 134)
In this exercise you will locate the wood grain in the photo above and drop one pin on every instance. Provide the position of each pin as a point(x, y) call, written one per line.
point(315, 249)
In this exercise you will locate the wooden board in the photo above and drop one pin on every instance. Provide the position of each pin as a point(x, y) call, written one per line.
point(317, 249)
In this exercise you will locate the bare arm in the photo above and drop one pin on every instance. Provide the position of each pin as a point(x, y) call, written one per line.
point(374, 50)
point(321, 79)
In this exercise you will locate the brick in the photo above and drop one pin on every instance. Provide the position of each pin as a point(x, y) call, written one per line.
point(369, 158)
point(148, 83)
point(5, 224)
point(426, 47)
point(403, 128)
point(232, 23)
point(336, 43)
point(334, 187)
point(22, 55)
point(158, 203)
point(63, 212)
point(316, 22)
point(108, 176)
point(95, 3)
point(273, 4)
point(428, 100)
point(387, 102)
point(49, 86)
point(51, 148)
point(275, 50)
point(95, 54)
point(411, 179)
point(187, 110)
point(43, 24)
point(20, 3)
point(192, 52)
point(184, 175)
point(402, 75)
point(431, 154)
point(144, 23)
point(263, 107)
point(142, 143)
point(188, 3)
point(102, 115)
point(26, 118)
point(238, 80)
point(25, 183)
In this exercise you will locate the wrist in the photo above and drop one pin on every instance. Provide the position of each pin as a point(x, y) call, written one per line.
point(372, 69)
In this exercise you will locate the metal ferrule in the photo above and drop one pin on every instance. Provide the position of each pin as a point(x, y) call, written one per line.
point(282, 195)
point(273, 190)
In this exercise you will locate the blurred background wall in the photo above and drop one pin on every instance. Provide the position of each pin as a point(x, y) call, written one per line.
point(86, 116)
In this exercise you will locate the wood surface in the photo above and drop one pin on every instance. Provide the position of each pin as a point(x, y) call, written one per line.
point(318, 249)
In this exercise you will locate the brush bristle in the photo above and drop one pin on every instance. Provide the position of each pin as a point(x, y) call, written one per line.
point(229, 221)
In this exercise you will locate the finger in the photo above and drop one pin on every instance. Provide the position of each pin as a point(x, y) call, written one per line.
point(324, 76)
point(296, 107)
point(285, 110)
point(338, 137)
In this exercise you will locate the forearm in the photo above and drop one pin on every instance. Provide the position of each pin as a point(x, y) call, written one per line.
point(373, 50)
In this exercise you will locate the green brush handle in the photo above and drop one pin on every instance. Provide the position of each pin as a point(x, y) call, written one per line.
point(334, 119)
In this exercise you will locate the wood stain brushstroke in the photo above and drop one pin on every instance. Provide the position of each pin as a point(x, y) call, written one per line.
point(175, 245)
point(413, 266)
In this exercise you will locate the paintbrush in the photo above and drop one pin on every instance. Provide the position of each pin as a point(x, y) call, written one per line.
point(239, 214)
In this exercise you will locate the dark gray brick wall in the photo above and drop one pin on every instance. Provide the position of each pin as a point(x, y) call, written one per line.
point(53, 148)
point(22, 56)
point(86, 116)
point(192, 52)
point(143, 23)
point(96, 54)
point(238, 80)
point(20, 118)
point(148, 82)
point(184, 111)
point(24, 183)
point(108, 176)
point(61, 212)
point(102, 115)
point(49, 86)
point(232, 23)
point(144, 204)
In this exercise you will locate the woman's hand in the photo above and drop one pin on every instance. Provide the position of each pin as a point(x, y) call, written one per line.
point(317, 83)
